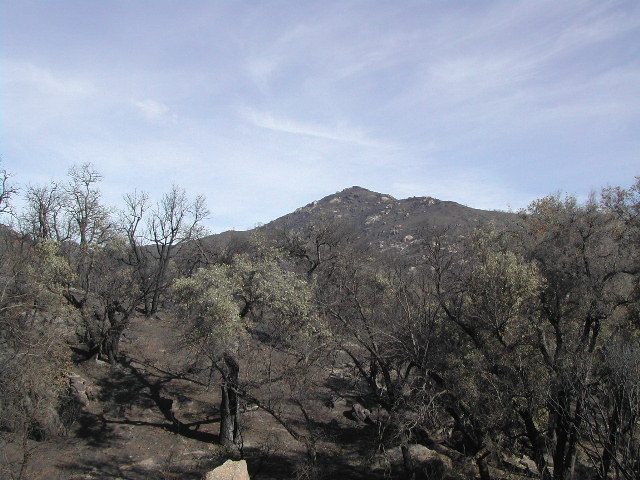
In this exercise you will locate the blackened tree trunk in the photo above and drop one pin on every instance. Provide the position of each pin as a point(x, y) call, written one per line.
point(409, 468)
point(118, 320)
point(483, 468)
point(229, 412)
point(566, 428)
point(536, 440)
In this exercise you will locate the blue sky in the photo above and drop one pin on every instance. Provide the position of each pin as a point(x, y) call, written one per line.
point(266, 106)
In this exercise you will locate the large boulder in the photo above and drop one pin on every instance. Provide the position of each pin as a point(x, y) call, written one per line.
point(229, 470)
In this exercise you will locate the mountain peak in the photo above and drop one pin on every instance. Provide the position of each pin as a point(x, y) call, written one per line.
point(357, 191)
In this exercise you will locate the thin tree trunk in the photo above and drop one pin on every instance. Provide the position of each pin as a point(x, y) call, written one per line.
point(562, 429)
point(537, 444)
point(163, 262)
point(573, 440)
point(610, 445)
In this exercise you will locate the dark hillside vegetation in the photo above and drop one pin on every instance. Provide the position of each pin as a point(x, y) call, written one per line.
point(358, 337)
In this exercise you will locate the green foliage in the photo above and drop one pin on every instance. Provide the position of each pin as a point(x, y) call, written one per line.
point(49, 267)
point(254, 286)
point(503, 289)
point(208, 299)
point(44, 279)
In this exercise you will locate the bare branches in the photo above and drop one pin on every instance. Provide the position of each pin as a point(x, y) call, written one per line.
point(90, 217)
point(7, 191)
point(46, 215)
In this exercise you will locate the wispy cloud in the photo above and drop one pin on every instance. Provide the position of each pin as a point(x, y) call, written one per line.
point(341, 132)
point(24, 74)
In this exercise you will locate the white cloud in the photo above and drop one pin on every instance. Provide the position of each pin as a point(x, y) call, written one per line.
point(260, 69)
point(152, 110)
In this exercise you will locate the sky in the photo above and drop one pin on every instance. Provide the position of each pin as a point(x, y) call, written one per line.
point(265, 106)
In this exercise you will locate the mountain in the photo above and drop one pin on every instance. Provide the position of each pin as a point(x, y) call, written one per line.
point(383, 220)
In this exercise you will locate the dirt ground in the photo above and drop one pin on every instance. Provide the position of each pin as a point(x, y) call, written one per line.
point(148, 419)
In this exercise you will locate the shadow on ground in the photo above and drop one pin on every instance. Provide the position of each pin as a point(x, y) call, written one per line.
point(129, 386)
point(267, 465)
point(95, 430)
point(125, 468)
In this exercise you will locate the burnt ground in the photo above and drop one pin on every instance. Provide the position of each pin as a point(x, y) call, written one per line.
point(151, 417)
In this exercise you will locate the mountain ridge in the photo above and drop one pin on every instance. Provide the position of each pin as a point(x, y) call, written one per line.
point(382, 220)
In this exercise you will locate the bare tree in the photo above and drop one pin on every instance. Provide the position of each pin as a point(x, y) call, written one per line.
point(174, 222)
point(611, 411)
point(45, 215)
point(132, 226)
point(90, 220)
